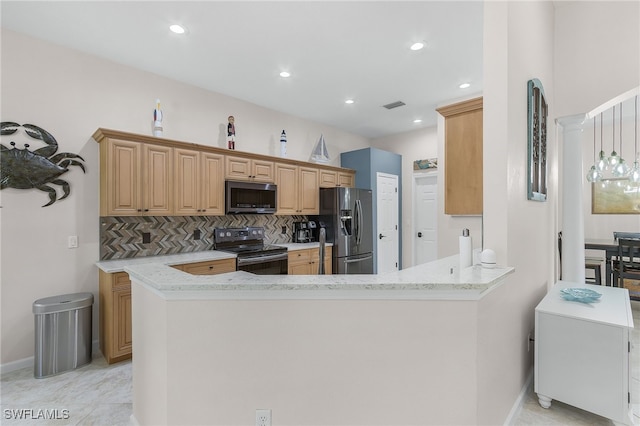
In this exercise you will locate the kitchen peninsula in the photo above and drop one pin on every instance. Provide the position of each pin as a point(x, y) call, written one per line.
point(367, 349)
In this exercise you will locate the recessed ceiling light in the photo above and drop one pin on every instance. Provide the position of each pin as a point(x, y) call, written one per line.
point(349, 101)
point(417, 46)
point(178, 29)
point(464, 85)
point(285, 74)
point(417, 120)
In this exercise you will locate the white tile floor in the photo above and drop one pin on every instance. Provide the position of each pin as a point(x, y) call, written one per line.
point(100, 394)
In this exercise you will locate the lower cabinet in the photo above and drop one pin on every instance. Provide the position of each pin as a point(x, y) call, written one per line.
point(115, 316)
point(115, 306)
point(305, 261)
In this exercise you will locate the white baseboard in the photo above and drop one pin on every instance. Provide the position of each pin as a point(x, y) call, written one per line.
point(28, 362)
point(517, 405)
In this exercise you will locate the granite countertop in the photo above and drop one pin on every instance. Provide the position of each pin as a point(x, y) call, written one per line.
point(300, 246)
point(118, 265)
point(439, 280)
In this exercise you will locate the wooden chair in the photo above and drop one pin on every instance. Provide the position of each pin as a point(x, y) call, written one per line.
point(593, 263)
point(627, 265)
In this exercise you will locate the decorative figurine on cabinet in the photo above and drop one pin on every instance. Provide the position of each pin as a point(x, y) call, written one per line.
point(231, 133)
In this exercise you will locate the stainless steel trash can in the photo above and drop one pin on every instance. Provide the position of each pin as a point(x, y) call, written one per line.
point(63, 333)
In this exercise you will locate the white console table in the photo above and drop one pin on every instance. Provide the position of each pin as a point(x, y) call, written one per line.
point(582, 351)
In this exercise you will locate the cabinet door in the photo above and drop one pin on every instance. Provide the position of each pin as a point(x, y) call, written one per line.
point(122, 316)
point(328, 261)
point(299, 262)
point(237, 168)
point(287, 189)
point(212, 178)
point(328, 178)
point(187, 182)
point(157, 175)
point(262, 171)
point(120, 178)
point(346, 180)
point(308, 202)
point(463, 158)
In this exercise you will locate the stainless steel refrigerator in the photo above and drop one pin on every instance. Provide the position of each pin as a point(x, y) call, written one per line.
point(346, 214)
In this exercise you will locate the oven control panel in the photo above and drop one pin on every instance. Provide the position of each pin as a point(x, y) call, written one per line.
point(225, 235)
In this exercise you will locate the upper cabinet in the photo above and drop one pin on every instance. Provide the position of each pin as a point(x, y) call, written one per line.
point(242, 168)
point(332, 178)
point(199, 183)
point(145, 175)
point(463, 157)
point(135, 179)
point(298, 190)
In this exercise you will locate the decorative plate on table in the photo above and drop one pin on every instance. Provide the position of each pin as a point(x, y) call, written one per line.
point(583, 295)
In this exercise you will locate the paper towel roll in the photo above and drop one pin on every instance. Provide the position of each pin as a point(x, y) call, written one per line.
point(466, 251)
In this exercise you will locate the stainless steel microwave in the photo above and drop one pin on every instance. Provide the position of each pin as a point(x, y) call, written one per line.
point(250, 197)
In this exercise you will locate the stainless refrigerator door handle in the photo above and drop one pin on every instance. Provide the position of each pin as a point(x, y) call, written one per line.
point(358, 222)
point(358, 260)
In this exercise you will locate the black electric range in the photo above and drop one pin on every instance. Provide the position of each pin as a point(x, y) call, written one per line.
point(253, 255)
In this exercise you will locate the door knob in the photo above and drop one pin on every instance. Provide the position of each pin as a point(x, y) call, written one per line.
point(381, 236)
point(419, 234)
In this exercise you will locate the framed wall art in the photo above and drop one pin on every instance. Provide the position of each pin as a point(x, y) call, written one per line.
point(615, 196)
point(537, 111)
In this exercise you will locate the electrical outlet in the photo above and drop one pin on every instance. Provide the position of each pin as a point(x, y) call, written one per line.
point(284, 229)
point(146, 237)
point(72, 241)
point(263, 417)
point(196, 234)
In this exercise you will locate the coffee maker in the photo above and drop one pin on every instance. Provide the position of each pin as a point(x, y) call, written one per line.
point(304, 232)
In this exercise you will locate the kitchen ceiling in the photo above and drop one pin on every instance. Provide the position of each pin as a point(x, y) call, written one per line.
point(334, 51)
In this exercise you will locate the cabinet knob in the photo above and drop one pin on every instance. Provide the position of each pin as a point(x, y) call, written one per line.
point(210, 267)
point(146, 210)
point(204, 210)
point(139, 210)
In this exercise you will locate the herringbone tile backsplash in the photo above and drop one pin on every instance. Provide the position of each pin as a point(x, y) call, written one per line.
point(121, 236)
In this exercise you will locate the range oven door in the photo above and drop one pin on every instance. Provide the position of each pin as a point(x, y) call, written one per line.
point(276, 264)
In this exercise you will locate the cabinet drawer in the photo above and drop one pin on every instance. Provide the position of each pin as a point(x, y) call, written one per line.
point(210, 267)
point(121, 281)
point(300, 256)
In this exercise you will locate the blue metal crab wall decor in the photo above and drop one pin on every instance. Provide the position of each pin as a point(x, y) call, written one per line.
point(24, 169)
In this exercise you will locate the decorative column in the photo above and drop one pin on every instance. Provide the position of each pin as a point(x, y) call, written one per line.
point(572, 178)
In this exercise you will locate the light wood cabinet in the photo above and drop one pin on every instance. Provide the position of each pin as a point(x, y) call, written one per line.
point(210, 267)
point(298, 189)
point(305, 261)
point(115, 305)
point(243, 168)
point(115, 316)
point(199, 183)
point(333, 178)
point(463, 158)
point(145, 175)
point(135, 179)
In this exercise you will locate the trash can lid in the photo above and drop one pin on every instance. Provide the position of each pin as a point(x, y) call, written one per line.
point(64, 302)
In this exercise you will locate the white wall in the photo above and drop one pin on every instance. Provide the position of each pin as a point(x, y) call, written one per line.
point(518, 40)
point(71, 94)
point(415, 145)
point(597, 56)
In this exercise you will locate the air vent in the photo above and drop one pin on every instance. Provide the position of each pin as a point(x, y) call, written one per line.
point(393, 105)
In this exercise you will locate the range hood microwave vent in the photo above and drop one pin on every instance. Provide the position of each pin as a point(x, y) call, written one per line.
point(250, 197)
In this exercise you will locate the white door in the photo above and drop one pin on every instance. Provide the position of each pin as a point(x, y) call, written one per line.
point(425, 219)
point(387, 222)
